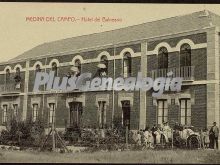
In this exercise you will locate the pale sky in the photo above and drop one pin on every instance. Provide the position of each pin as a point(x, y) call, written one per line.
point(18, 35)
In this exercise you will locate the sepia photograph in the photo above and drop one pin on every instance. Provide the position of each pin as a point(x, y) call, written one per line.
point(109, 83)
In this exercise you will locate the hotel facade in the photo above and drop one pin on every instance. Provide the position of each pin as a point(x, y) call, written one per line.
point(187, 45)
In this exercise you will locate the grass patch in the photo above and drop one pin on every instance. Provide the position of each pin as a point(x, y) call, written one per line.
point(147, 156)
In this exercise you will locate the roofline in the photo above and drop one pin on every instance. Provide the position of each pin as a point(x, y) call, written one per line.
point(207, 13)
point(100, 46)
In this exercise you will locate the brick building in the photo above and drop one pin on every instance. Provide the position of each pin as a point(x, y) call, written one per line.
point(187, 45)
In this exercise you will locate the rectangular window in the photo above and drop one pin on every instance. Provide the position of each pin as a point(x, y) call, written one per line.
point(15, 113)
point(102, 114)
point(51, 112)
point(35, 112)
point(162, 111)
point(185, 111)
point(76, 111)
point(5, 113)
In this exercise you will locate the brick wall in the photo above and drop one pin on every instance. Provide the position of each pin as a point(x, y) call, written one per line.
point(196, 38)
point(173, 60)
point(151, 110)
point(42, 60)
point(199, 61)
point(152, 63)
point(198, 108)
point(134, 47)
point(135, 111)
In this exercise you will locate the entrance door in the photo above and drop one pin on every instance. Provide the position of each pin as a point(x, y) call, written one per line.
point(75, 114)
point(126, 108)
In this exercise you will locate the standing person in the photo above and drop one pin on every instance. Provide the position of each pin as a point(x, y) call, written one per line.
point(146, 137)
point(167, 131)
point(206, 138)
point(216, 133)
point(211, 138)
point(158, 134)
point(153, 130)
point(139, 138)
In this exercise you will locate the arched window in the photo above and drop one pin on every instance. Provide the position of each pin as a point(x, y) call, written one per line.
point(127, 64)
point(54, 68)
point(75, 69)
point(185, 55)
point(103, 66)
point(79, 66)
point(37, 68)
point(163, 58)
point(7, 76)
point(18, 71)
point(17, 77)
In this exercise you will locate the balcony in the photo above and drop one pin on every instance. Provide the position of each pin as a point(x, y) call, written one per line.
point(186, 72)
point(12, 88)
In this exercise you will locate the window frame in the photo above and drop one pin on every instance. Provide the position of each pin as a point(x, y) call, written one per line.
point(18, 71)
point(54, 68)
point(35, 112)
point(15, 110)
point(185, 55)
point(104, 60)
point(37, 68)
point(52, 114)
point(162, 58)
point(101, 114)
point(187, 110)
point(164, 118)
point(127, 64)
point(78, 64)
point(5, 114)
point(7, 76)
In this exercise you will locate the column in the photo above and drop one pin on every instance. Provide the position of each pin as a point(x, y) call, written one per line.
point(142, 120)
point(213, 74)
point(25, 101)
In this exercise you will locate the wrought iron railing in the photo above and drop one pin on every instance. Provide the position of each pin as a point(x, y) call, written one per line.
point(186, 72)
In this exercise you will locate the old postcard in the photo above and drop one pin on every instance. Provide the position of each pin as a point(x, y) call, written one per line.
point(109, 83)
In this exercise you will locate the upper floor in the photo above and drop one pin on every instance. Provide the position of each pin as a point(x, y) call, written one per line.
point(183, 45)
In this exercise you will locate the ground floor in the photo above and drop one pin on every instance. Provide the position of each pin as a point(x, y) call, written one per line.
point(104, 109)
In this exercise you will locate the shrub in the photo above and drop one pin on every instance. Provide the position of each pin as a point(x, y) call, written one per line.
point(28, 134)
point(93, 138)
point(72, 135)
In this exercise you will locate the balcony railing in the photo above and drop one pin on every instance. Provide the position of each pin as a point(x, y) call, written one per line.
point(10, 88)
point(186, 72)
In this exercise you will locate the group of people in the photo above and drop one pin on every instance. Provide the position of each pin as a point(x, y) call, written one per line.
point(210, 137)
point(150, 137)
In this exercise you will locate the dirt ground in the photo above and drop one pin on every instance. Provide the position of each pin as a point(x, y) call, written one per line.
point(147, 156)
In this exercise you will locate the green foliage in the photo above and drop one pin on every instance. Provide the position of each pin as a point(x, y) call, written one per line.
point(23, 133)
